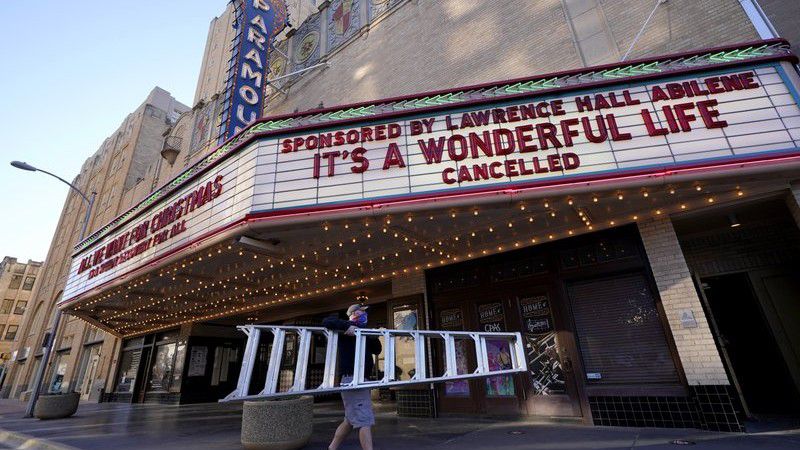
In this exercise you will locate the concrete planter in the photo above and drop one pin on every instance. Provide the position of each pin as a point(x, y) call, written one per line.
point(277, 424)
point(56, 406)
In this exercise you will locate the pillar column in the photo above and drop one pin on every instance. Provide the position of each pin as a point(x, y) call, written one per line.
point(414, 401)
point(702, 363)
point(793, 200)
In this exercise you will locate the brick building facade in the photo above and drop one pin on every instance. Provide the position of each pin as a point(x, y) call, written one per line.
point(403, 47)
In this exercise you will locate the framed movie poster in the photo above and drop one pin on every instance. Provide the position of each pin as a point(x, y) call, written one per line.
point(491, 317)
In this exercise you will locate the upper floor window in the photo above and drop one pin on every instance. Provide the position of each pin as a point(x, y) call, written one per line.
point(16, 281)
point(11, 332)
point(28, 285)
point(19, 309)
point(6, 307)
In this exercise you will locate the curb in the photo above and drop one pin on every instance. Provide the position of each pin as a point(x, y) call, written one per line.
point(23, 441)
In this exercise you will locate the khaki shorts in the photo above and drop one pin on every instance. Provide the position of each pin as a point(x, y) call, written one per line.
point(357, 406)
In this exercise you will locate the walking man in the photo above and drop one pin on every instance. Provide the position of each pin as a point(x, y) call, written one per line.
point(357, 403)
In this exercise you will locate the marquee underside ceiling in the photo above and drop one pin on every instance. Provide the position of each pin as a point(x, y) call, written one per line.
point(273, 267)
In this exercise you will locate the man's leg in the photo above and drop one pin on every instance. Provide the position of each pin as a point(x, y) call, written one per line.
point(365, 437)
point(341, 433)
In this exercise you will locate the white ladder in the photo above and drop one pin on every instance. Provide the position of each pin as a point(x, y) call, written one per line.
point(420, 338)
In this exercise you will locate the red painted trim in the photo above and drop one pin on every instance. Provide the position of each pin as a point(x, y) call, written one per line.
point(790, 57)
point(367, 205)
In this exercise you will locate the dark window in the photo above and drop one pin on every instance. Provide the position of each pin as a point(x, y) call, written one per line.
point(457, 279)
point(20, 308)
point(11, 332)
point(16, 280)
point(28, 283)
point(163, 366)
point(6, 308)
point(512, 270)
point(128, 367)
point(599, 252)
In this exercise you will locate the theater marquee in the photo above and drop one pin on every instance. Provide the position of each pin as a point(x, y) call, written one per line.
point(701, 120)
point(647, 127)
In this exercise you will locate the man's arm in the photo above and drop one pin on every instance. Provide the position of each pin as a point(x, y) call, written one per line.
point(334, 323)
point(374, 346)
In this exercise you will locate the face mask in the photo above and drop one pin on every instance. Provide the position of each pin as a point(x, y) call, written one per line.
point(361, 320)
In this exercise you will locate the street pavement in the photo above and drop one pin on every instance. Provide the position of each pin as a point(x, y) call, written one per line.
point(217, 426)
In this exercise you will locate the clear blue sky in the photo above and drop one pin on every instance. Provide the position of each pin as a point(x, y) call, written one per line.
point(71, 72)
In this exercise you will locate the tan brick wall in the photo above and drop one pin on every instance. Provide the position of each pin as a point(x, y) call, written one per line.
point(698, 354)
point(435, 44)
point(413, 283)
point(677, 25)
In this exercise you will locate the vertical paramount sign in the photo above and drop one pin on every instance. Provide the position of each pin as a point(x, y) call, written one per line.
point(258, 21)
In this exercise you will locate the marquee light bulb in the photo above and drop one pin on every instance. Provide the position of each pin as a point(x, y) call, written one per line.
point(620, 197)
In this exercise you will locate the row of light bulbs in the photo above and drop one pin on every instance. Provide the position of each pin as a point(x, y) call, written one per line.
point(443, 259)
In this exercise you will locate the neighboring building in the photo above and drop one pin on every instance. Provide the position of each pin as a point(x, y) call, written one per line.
point(17, 280)
point(82, 352)
point(617, 251)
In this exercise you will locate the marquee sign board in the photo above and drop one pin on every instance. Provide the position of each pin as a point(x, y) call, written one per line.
point(215, 200)
point(690, 120)
point(655, 126)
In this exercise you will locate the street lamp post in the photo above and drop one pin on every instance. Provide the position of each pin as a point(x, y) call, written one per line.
point(47, 345)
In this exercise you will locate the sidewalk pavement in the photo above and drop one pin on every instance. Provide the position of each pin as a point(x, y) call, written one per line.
point(217, 426)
